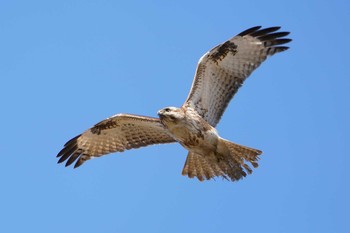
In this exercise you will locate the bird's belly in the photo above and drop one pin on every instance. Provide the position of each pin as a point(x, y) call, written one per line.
point(196, 141)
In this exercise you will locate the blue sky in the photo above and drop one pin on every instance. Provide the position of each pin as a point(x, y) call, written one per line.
point(66, 65)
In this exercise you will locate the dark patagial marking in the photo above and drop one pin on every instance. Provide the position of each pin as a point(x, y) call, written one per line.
point(219, 157)
point(223, 50)
point(106, 124)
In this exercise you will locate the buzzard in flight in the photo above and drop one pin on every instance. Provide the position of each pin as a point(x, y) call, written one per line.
point(220, 73)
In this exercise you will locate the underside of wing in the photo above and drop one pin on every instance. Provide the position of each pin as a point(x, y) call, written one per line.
point(117, 133)
point(222, 70)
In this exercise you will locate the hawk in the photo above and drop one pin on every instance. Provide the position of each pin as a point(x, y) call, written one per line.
point(220, 73)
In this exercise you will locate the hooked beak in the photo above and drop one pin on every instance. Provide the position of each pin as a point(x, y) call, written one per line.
point(160, 112)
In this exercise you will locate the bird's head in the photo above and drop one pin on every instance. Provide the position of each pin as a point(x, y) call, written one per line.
point(171, 114)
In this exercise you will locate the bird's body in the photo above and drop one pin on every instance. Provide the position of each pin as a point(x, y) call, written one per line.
point(209, 154)
point(189, 129)
point(220, 73)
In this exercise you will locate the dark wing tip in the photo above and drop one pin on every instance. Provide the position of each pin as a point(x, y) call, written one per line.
point(272, 36)
point(249, 31)
point(265, 31)
point(282, 48)
point(70, 152)
point(282, 41)
point(72, 158)
point(269, 36)
point(80, 161)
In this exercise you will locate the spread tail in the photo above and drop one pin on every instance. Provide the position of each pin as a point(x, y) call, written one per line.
point(229, 161)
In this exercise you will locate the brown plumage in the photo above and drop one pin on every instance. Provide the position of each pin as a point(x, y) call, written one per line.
point(222, 70)
point(117, 133)
point(220, 73)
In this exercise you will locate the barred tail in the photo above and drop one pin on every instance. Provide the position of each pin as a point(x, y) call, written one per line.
point(228, 162)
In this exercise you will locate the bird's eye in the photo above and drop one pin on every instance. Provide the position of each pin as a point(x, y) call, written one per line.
point(167, 109)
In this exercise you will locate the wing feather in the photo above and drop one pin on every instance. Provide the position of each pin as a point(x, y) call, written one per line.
point(117, 133)
point(222, 70)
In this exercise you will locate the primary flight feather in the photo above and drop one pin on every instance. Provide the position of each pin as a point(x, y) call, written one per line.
point(220, 72)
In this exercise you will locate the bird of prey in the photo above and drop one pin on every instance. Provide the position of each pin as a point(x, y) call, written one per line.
point(220, 73)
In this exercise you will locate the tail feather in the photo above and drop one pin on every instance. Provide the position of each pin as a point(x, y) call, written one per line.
point(198, 166)
point(190, 167)
point(242, 153)
point(228, 162)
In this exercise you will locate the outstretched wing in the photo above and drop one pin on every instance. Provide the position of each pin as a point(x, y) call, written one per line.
point(222, 70)
point(117, 133)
